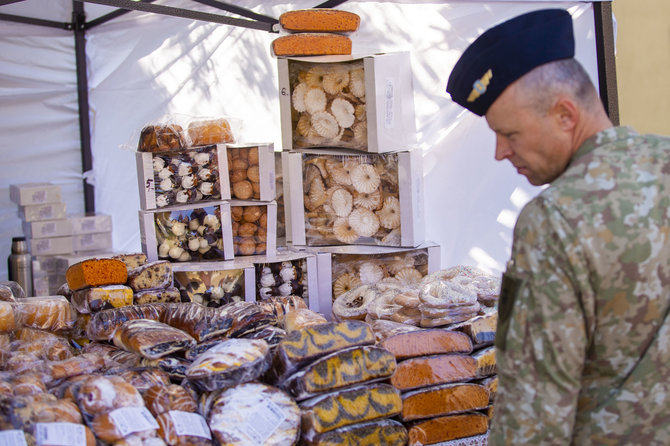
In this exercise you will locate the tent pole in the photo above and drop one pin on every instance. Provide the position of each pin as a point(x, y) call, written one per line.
point(78, 22)
point(604, 27)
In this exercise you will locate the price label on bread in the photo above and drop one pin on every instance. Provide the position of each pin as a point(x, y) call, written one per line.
point(133, 419)
point(265, 419)
point(191, 424)
point(13, 437)
point(60, 434)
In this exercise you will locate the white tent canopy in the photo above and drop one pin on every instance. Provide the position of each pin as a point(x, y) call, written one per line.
point(142, 66)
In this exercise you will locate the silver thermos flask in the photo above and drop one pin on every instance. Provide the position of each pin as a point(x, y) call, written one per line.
point(19, 265)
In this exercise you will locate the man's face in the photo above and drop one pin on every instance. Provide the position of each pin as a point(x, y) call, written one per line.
point(534, 143)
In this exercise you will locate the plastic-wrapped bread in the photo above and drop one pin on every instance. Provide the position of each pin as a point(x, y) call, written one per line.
point(175, 367)
point(229, 363)
point(7, 322)
point(133, 260)
point(352, 405)
point(447, 428)
point(280, 305)
point(29, 383)
point(427, 342)
point(304, 346)
point(124, 422)
point(144, 378)
point(151, 339)
point(101, 394)
point(180, 428)
point(210, 131)
point(302, 318)
point(164, 398)
point(246, 317)
point(385, 329)
point(340, 369)
point(15, 287)
point(426, 371)
point(254, 413)
point(158, 295)
point(270, 334)
point(491, 384)
point(55, 432)
point(90, 300)
point(151, 275)
point(198, 321)
point(385, 432)
point(320, 20)
point(486, 362)
point(102, 325)
point(6, 293)
point(201, 347)
point(481, 329)
point(50, 313)
point(311, 44)
point(442, 400)
point(161, 138)
point(96, 272)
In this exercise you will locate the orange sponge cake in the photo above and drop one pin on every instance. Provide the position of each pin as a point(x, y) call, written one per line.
point(319, 20)
point(96, 272)
point(311, 44)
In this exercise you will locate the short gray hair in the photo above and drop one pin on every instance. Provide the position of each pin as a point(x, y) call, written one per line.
point(564, 76)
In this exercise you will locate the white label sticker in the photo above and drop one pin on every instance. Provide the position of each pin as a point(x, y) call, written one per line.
point(192, 424)
point(48, 228)
point(12, 438)
point(389, 91)
point(265, 419)
point(60, 434)
point(39, 197)
point(133, 419)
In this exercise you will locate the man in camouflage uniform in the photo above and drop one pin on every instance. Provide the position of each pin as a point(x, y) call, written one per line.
point(583, 338)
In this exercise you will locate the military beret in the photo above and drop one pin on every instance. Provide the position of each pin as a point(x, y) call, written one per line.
point(506, 52)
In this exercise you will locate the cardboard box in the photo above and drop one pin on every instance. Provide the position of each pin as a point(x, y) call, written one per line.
point(254, 227)
point(34, 193)
point(91, 223)
point(196, 175)
point(174, 234)
point(281, 210)
point(41, 212)
point(47, 283)
point(100, 241)
point(51, 246)
point(215, 283)
point(339, 266)
point(47, 228)
point(251, 170)
point(378, 115)
point(288, 272)
point(345, 198)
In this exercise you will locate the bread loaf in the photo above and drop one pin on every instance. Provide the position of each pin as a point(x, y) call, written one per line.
point(101, 394)
point(132, 260)
point(280, 305)
point(486, 362)
point(91, 300)
point(319, 20)
point(161, 138)
point(385, 432)
point(184, 428)
point(144, 379)
point(254, 413)
point(427, 342)
point(302, 318)
point(447, 428)
point(481, 329)
point(231, 362)
point(6, 317)
point(443, 400)
point(246, 317)
point(102, 325)
point(164, 398)
point(96, 272)
point(159, 295)
point(151, 275)
point(353, 405)
point(432, 370)
point(303, 346)
point(270, 334)
point(210, 131)
point(491, 384)
point(311, 44)
point(50, 313)
point(151, 339)
point(198, 321)
point(340, 369)
point(385, 329)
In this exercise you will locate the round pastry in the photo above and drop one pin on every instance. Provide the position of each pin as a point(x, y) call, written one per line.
point(253, 156)
point(252, 213)
point(247, 246)
point(213, 131)
point(261, 248)
point(247, 229)
point(353, 304)
point(257, 190)
point(239, 164)
point(238, 175)
point(253, 174)
point(237, 212)
point(261, 235)
point(263, 221)
point(235, 227)
point(243, 190)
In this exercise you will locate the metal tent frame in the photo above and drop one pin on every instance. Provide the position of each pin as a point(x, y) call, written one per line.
point(604, 39)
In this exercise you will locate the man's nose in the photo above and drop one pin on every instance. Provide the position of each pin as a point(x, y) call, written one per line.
point(502, 148)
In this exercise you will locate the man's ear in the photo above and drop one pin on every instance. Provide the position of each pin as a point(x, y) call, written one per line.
point(566, 112)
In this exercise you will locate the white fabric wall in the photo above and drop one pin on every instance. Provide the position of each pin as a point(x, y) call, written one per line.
point(143, 66)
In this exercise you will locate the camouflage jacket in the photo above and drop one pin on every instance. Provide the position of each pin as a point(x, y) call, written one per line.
point(583, 340)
